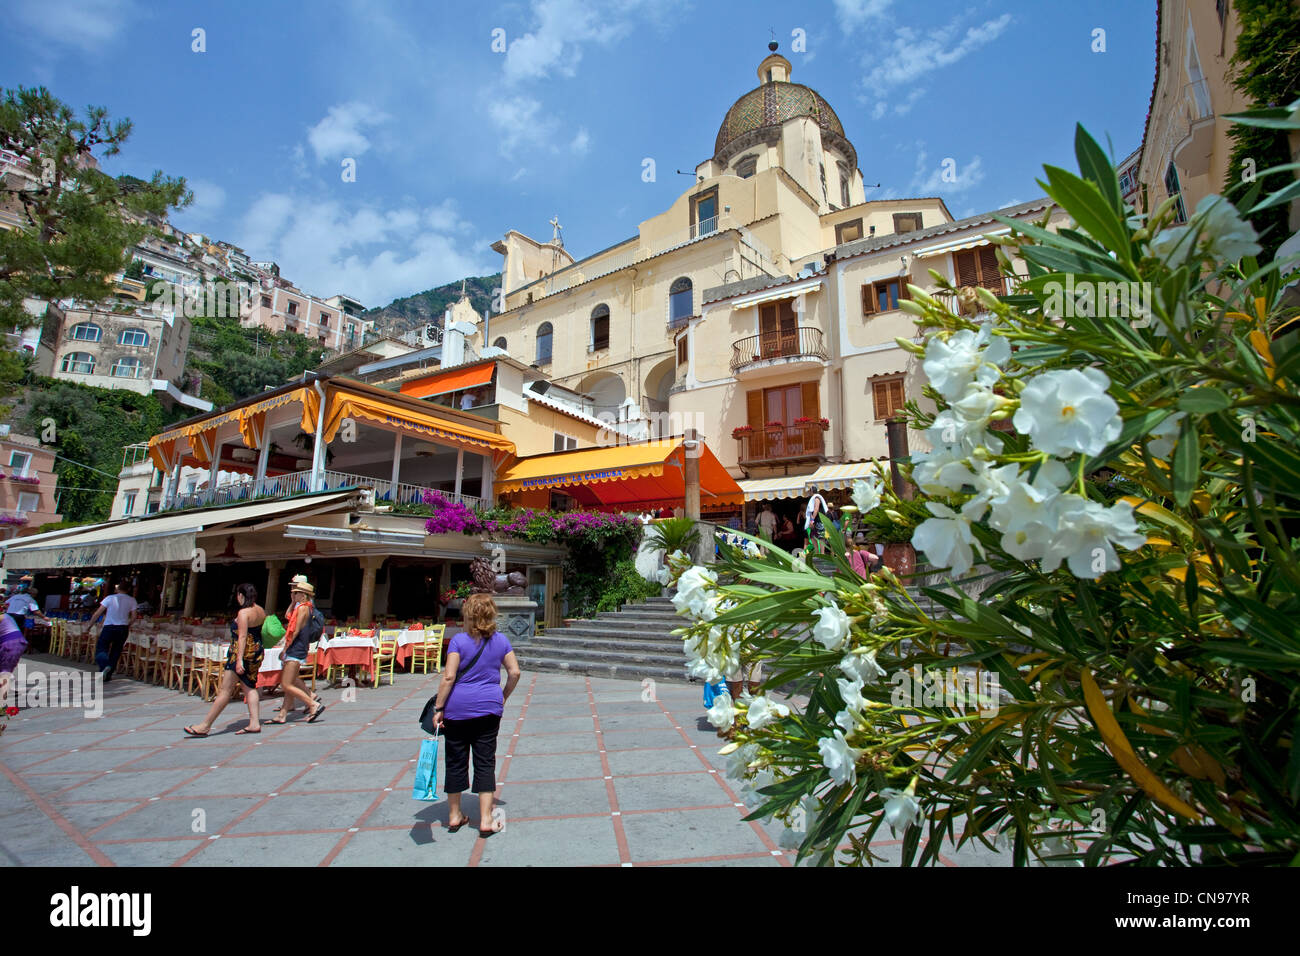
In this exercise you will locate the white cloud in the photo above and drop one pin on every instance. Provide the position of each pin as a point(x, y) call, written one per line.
point(563, 27)
point(899, 107)
point(519, 122)
point(375, 253)
point(913, 53)
point(856, 13)
point(581, 142)
point(340, 134)
point(87, 25)
point(945, 177)
point(208, 198)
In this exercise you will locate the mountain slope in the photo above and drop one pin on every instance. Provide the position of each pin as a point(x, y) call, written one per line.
point(418, 310)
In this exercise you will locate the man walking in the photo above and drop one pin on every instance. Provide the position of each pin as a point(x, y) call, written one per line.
point(118, 611)
point(767, 522)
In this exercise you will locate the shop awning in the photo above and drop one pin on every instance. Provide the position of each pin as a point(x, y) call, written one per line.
point(453, 381)
point(345, 404)
point(200, 435)
point(152, 540)
point(623, 476)
point(773, 489)
point(833, 477)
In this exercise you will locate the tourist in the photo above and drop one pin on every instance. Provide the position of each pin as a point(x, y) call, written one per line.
point(812, 522)
point(767, 522)
point(468, 401)
point(469, 705)
point(862, 560)
point(21, 607)
point(242, 663)
point(297, 645)
point(787, 537)
point(119, 612)
point(12, 645)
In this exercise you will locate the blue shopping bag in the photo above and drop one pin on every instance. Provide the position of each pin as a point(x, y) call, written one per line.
point(713, 691)
point(426, 771)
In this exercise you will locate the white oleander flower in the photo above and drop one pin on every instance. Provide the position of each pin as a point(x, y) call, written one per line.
point(1068, 411)
point(861, 666)
point(947, 539)
point(738, 761)
point(1228, 237)
point(867, 493)
point(722, 714)
point(851, 693)
point(696, 595)
point(1023, 503)
point(1085, 534)
point(839, 758)
point(965, 357)
point(941, 471)
point(763, 711)
point(1163, 436)
point(901, 808)
point(848, 720)
point(832, 627)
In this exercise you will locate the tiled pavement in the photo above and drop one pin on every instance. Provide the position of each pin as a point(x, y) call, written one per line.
point(589, 774)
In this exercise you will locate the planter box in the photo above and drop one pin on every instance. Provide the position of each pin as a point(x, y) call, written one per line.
point(899, 558)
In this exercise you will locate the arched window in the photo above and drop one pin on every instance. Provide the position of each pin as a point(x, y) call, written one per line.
point(746, 166)
point(544, 335)
point(599, 328)
point(127, 368)
point(500, 343)
point(86, 332)
point(681, 301)
point(133, 337)
point(79, 363)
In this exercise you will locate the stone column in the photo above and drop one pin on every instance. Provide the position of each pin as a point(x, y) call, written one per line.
point(397, 467)
point(273, 569)
point(191, 593)
point(369, 570)
point(691, 474)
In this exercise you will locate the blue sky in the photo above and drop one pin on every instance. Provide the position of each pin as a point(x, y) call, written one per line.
point(454, 143)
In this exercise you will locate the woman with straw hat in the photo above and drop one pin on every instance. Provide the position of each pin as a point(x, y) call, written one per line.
point(297, 645)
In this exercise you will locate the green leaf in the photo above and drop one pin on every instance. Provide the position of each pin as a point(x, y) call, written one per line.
point(1187, 463)
point(1084, 202)
point(1285, 194)
point(1203, 401)
point(1096, 168)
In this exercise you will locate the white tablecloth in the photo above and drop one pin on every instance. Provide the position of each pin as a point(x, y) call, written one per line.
point(411, 637)
point(348, 642)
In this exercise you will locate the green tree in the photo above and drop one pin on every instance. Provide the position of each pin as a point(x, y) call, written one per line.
point(76, 223)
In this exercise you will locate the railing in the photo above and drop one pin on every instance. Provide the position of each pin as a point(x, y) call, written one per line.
point(1001, 286)
point(788, 442)
point(803, 341)
point(299, 483)
point(679, 322)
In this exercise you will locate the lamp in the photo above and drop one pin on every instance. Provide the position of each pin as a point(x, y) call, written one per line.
point(229, 556)
point(308, 551)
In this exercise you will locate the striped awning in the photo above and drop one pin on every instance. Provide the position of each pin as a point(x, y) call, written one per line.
point(833, 477)
point(773, 489)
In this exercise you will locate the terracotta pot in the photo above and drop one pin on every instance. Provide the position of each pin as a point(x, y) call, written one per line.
point(899, 558)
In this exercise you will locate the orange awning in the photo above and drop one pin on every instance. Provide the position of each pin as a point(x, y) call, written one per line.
point(623, 476)
point(345, 404)
point(453, 381)
point(200, 435)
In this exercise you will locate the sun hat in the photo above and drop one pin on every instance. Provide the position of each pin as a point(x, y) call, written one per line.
point(299, 583)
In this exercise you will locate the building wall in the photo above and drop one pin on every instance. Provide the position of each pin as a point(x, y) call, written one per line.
point(162, 357)
point(533, 431)
point(13, 493)
point(1186, 124)
point(314, 319)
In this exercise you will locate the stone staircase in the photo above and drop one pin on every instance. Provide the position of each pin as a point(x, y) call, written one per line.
point(633, 643)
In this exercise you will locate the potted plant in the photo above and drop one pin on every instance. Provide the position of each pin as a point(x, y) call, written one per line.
point(738, 432)
point(775, 426)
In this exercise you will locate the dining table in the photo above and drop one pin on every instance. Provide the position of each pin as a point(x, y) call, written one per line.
point(348, 651)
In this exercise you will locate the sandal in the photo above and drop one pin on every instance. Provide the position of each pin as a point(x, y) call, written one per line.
point(273, 721)
point(191, 732)
point(320, 709)
point(453, 829)
point(245, 730)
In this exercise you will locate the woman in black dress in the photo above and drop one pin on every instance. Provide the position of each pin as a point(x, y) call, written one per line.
point(242, 663)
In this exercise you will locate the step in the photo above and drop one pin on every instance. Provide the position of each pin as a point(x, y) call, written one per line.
point(597, 631)
point(618, 671)
point(596, 656)
point(612, 645)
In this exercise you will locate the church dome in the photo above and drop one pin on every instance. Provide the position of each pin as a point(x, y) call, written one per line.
point(758, 115)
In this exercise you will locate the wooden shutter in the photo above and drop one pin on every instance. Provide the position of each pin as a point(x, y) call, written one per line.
point(754, 402)
point(810, 399)
point(990, 275)
point(888, 397)
point(868, 299)
point(903, 293)
point(967, 268)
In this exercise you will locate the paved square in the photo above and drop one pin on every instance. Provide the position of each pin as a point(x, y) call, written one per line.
point(588, 774)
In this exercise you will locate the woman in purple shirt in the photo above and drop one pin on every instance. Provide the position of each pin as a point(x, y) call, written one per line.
point(469, 706)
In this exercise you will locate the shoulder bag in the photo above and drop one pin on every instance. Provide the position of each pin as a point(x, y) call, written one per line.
point(426, 715)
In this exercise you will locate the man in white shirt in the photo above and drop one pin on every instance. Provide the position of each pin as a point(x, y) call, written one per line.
point(767, 522)
point(118, 611)
point(22, 607)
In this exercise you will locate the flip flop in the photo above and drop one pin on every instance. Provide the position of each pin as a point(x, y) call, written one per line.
point(191, 732)
point(453, 829)
point(247, 731)
point(319, 710)
point(280, 721)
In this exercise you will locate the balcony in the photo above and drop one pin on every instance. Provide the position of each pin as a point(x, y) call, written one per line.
point(787, 444)
point(786, 347)
point(299, 483)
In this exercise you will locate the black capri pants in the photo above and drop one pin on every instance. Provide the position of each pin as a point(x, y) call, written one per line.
point(478, 734)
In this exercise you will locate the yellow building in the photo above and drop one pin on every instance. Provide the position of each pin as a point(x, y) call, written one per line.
point(789, 367)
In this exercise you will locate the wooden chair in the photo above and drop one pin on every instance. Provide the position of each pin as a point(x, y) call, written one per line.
point(385, 653)
point(308, 669)
point(58, 637)
point(80, 642)
point(158, 659)
point(430, 651)
point(207, 672)
point(181, 664)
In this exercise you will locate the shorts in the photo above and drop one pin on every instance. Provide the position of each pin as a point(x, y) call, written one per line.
point(289, 657)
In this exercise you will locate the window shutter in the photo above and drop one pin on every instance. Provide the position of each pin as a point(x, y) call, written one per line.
point(990, 277)
point(967, 268)
point(811, 401)
point(755, 403)
point(878, 399)
point(903, 293)
point(868, 299)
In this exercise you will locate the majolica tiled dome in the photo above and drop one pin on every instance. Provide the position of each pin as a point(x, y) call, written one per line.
point(766, 108)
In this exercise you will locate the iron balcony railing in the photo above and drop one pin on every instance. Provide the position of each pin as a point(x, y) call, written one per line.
point(299, 483)
point(788, 442)
point(802, 342)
